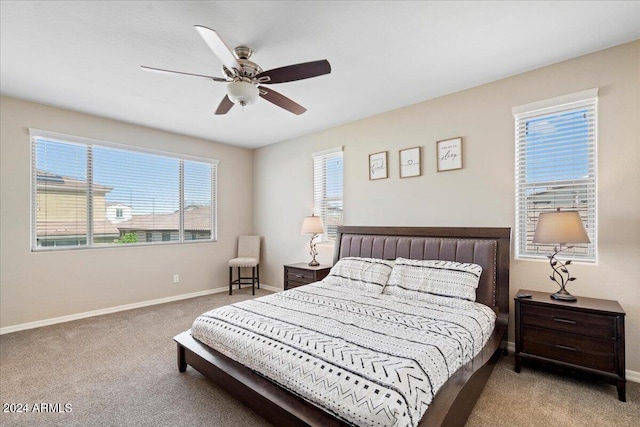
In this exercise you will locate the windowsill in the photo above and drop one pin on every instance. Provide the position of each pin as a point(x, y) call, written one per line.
point(120, 246)
point(563, 258)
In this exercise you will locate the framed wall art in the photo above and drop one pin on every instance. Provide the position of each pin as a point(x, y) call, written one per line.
point(410, 162)
point(378, 165)
point(449, 153)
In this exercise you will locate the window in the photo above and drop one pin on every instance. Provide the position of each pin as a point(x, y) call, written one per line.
point(88, 193)
point(556, 168)
point(327, 190)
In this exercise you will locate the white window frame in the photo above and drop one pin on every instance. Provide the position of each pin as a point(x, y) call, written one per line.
point(36, 134)
point(526, 211)
point(321, 200)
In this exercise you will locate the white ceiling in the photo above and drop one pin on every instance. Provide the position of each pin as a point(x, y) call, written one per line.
point(86, 55)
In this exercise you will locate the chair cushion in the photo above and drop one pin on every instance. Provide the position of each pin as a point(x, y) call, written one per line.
point(249, 246)
point(243, 262)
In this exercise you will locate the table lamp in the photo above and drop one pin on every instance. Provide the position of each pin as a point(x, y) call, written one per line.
point(560, 227)
point(312, 225)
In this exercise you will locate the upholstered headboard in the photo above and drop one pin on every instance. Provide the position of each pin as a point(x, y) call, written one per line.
point(488, 247)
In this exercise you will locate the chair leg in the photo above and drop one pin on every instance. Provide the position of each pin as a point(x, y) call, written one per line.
point(258, 276)
point(230, 280)
point(253, 280)
point(239, 281)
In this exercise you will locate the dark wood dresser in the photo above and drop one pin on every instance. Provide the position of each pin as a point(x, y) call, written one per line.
point(587, 334)
point(302, 274)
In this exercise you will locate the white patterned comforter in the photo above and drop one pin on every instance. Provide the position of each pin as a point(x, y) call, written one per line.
point(367, 359)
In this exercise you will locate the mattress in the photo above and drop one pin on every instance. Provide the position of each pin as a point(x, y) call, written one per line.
point(368, 359)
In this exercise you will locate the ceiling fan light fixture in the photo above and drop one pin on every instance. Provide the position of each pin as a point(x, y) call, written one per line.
point(243, 93)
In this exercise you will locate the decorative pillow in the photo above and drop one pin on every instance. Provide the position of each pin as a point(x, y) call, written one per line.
point(417, 278)
point(367, 274)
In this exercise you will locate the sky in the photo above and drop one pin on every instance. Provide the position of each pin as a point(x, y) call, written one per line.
point(557, 147)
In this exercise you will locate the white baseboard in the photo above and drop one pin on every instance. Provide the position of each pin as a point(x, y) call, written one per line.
point(270, 288)
point(78, 316)
point(631, 375)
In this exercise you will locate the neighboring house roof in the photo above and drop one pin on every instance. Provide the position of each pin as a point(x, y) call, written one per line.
point(65, 183)
point(75, 228)
point(575, 194)
point(196, 218)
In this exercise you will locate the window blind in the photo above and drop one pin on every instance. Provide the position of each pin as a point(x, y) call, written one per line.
point(147, 184)
point(199, 200)
point(59, 200)
point(88, 193)
point(556, 168)
point(327, 190)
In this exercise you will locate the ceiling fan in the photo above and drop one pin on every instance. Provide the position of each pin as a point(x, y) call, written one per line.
point(245, 78)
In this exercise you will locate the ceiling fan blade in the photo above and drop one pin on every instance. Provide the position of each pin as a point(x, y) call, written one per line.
point(219, 48)
point(161, 71)
point(281, 100)
point(225, 105)
point(295, 72)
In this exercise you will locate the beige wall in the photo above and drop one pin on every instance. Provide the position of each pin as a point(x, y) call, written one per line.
point(44, 285)
point(481, 194)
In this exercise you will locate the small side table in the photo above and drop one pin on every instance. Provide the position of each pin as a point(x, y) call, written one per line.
point(302, 274)
point(587, 334)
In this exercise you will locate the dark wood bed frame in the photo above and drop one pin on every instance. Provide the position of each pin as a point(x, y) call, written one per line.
point(456, 398)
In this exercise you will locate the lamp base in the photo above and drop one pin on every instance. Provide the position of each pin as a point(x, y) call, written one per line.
point(563, 296)
point(314, 263)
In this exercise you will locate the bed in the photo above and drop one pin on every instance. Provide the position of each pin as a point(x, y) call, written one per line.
point(487, 247)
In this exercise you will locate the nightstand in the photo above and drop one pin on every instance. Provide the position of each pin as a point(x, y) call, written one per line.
point(587, 335)
point(302, 274)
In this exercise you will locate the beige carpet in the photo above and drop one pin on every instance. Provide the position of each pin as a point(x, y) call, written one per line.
point(540, 397)
point(120, 370)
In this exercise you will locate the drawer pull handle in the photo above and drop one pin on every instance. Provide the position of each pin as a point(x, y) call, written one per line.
point(565, 347)
point(558, 319)
point(299, 276)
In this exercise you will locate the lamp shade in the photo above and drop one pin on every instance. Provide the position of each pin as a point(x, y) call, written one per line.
point(243, 93)
point(312, 225)
point(560, 227)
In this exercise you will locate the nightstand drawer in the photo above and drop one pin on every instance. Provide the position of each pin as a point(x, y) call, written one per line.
point(588, 324)
point(300, 275)
point(295, 284)
point(585, 351)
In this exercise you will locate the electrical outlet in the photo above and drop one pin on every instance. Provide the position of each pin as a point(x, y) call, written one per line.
point(176, 278)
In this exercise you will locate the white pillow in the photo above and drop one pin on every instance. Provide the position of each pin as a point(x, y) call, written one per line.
point(367, 274)
point(417, 278)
